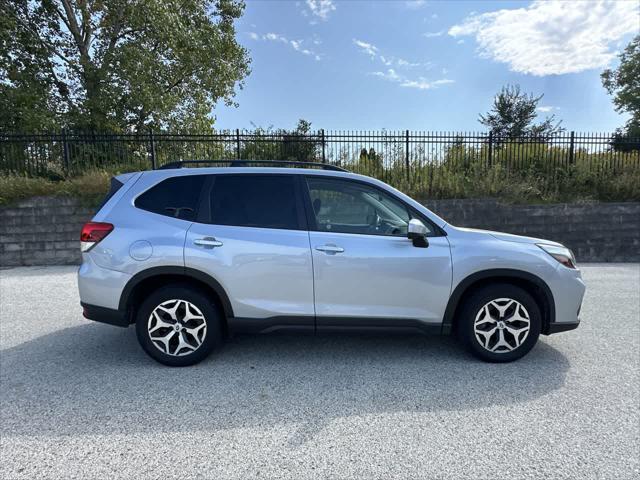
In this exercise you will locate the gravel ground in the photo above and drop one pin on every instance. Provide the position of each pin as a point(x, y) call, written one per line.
point(81, 400)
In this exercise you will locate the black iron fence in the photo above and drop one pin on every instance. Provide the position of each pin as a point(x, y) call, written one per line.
point(403, 158)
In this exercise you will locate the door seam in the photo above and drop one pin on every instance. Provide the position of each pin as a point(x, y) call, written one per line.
point(313, 284)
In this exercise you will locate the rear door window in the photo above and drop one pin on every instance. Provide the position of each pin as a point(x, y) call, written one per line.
point(174, 197)
point(264, 201)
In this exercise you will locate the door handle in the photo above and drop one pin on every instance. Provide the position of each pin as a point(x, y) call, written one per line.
point(330, 249)
point(207, 242)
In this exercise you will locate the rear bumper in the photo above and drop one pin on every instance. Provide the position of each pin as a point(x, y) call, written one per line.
point(561, 327)
point(100, 286)
point(105, 315)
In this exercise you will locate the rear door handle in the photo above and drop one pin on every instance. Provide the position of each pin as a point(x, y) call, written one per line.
point(207, 242)
point(330, 249)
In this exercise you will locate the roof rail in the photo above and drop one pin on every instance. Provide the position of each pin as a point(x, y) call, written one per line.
point(252, 163)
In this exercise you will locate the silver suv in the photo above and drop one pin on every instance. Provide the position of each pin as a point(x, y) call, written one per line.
point(192, 255)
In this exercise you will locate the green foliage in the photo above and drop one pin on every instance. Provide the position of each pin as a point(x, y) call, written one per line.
point(463, 173)
point(90, 187)
point(518, 171)
point(270, 144)
point(370, 160)
point(540, 174)
point(624, 84)
point(118, 65)
point(513, 115)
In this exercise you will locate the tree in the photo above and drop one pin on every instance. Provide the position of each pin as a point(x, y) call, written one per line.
point(300, 145)
point(513, 114)
point(118, 65)
point(370, 160)
point(624, 84)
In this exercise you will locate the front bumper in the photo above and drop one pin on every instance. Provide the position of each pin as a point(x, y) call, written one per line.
point(568, 290)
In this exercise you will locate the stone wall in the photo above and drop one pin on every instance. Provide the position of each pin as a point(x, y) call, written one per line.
point(46, 231)
point(596, 232)
point(42, 231)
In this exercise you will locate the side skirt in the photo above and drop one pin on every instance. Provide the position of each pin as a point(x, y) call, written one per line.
point(311, 324)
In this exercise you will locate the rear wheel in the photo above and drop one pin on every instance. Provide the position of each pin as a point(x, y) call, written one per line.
point(499, 323)
point(178, 326)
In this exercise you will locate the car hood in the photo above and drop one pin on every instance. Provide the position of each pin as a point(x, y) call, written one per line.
point(507, 237)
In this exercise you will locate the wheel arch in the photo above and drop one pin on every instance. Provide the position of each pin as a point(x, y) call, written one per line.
point(529, 282)
point(148, 280)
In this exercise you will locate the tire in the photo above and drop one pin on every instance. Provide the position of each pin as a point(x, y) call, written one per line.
point(510, 310)
point(190, 314)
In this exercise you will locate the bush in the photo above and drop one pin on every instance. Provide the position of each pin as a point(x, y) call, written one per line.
point(90, 187)
point(524, 173)
point(527, 173)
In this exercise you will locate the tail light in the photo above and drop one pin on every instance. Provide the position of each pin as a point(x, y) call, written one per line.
point(92, 233)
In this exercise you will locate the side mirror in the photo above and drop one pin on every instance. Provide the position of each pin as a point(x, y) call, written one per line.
point(417, 233)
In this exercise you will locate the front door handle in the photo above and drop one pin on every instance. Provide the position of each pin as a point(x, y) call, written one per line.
point(207, 242)
point(330, 249)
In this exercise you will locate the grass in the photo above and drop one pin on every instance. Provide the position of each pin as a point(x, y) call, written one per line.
point(90, 188)
point(463, 174)
point(536, 177)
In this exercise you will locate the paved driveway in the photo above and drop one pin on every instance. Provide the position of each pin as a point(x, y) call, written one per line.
point(81, 400)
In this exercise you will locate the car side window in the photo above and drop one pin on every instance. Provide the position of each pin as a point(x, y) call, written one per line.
point(265, 201)
point(174, 197)
point(342, 206)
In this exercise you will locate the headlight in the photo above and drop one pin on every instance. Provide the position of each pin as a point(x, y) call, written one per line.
point(561, 254)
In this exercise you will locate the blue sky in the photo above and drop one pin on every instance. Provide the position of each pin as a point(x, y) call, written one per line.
point(425, 65)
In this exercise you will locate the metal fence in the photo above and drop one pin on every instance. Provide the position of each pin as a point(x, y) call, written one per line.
point(400, 157)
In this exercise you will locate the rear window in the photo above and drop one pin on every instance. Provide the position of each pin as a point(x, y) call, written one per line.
point(266, 201)
point(174, 197)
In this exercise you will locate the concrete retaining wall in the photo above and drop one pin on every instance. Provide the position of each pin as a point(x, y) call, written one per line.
point(46, 231)
point(596, 232)
point(42, 231)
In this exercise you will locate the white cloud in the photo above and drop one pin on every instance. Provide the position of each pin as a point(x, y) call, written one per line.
point(404, 63)
point(546, 108)
point(415, 4)
point(433, 34)
point(423, 84)
point(373, 52)
point(274, 37)
point(297, 45)
point(552, 37)
point(390, 75)
point(321, 8)
point(420, 83)
point(367, 48)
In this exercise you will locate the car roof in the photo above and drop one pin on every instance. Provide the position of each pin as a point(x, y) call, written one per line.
point(174, 172)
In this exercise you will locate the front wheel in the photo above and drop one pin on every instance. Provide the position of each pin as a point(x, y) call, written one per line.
point(178, 325)
point(499, 323)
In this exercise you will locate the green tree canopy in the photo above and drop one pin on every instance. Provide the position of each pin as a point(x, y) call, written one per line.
point(117, 65)
point(513, 114)
point(624, 84)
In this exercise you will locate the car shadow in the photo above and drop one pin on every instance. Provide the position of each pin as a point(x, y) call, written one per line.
point(95, 379)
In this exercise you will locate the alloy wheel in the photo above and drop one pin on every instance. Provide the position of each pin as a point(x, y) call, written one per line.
point(177, 327)
point(502, 325)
